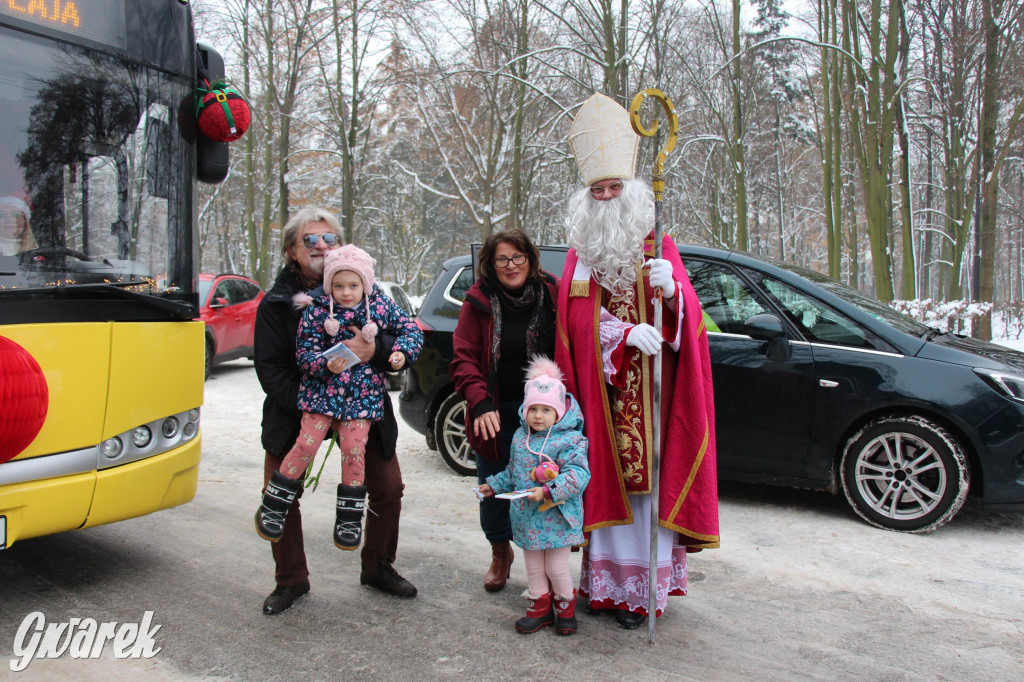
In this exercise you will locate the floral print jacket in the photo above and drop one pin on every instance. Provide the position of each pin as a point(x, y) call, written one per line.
point(358, 392)
point(560, 525)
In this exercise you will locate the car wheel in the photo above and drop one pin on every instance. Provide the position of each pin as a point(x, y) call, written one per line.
point(210, 350)
point(450, 432)
point(904, 473)
point(394, 381)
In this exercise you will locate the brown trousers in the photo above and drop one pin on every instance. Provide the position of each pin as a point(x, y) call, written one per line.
point(380, 537)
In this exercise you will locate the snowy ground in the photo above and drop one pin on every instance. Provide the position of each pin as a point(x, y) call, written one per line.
point(800, 588)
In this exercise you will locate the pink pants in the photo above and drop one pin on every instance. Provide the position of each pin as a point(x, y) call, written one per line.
point(547, 570)
point(352, 436)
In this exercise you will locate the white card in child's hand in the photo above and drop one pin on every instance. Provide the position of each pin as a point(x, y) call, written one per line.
point(515, 494)
point(479, 495)
point(341, 351)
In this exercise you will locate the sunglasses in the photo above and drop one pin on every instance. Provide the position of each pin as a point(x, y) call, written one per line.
point(311, 240)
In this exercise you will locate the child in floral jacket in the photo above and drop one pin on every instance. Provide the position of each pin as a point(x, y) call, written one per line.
point(333, 395)
point(549, 458)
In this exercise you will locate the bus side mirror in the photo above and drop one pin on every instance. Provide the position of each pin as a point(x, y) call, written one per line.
point(212, 158)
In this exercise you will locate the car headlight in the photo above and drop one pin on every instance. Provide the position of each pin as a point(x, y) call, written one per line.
point(1008, 385)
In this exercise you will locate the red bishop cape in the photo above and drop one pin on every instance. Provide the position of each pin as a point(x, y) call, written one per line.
point(688, 487)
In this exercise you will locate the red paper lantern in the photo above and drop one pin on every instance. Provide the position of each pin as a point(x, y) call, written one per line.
point(223, 114)
point(24, 399)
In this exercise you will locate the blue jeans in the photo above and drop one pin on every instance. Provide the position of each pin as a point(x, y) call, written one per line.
point(494, 513)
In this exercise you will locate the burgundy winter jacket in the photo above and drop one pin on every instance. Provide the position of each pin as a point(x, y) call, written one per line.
point(471, 369)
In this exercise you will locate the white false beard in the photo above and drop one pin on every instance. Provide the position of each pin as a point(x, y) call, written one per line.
point(609, 235)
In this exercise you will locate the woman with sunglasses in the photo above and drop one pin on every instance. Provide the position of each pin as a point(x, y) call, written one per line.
point(508, 317)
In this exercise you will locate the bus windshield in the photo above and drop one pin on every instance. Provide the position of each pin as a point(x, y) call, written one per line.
point(95, 177)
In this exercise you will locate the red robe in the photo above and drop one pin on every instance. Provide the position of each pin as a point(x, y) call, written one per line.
point(688, 484)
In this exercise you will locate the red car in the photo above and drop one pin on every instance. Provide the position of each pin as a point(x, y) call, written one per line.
point(227, 304)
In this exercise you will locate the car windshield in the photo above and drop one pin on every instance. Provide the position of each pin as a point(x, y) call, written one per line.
point(876, 309)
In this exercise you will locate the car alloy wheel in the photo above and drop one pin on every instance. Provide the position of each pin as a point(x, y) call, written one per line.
point(450, 433)
point(905, 473)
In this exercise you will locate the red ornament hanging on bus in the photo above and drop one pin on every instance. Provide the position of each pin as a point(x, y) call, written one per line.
point(221, 112)
point(24, 398)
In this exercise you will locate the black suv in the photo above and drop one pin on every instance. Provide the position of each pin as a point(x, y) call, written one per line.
point(428, 401)
point(816, 386)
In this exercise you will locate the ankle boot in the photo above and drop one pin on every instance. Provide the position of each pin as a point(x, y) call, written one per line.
point(538, 614)
point(565, 614)
point(348, 523)
point(501, 566)
point(277, 500)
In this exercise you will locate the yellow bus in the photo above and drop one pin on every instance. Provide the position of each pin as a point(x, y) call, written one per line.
point(101, 357)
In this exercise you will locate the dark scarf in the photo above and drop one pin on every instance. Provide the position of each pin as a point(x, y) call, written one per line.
point(531, 296)
point(306, 284)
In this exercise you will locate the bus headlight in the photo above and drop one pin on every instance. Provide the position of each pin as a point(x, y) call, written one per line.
point(193, 414)
point(188, 430)
point(141, 436)
point(169, 428)
point(112, 448)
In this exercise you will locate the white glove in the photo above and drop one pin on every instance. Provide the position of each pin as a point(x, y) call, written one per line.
point(644, 337)
point(661, 276)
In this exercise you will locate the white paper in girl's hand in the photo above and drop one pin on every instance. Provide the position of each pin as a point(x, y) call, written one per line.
point(515, 494)
point(341, 351)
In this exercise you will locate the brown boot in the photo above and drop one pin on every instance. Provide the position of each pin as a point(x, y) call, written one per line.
point(501, 566)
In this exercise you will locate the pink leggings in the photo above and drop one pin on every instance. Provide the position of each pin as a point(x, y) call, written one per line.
point(352, 437)
point(546, 567)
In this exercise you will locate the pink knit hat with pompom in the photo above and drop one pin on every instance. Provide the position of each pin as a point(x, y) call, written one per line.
point(349, 257)
point(544, 386)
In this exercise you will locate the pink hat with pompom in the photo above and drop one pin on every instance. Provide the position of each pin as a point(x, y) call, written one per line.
point(354, 259)
point(544, 386)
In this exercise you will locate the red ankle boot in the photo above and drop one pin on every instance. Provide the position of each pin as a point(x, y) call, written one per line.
point(565, 612)
point(538, 615)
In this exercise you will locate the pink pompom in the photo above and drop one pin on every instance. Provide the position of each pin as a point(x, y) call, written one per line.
point(332, 326)
point(301, 300)
point(542, 366)
point(370, 331)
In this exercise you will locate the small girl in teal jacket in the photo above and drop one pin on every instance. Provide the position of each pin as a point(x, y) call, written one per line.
point(549, 466)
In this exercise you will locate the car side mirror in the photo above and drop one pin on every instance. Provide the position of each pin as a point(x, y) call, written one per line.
point(219, 303)
point(768, 327)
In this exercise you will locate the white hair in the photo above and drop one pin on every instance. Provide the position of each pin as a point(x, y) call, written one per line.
point(609, 235)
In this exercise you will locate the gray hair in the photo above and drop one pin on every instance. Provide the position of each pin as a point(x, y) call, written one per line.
point(299, 220)
point(609, 235)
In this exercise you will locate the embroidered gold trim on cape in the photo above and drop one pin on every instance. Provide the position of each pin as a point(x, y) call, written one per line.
point(579, 288)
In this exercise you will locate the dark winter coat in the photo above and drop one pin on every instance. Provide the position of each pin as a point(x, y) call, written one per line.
point(471, 368)
point(357, 392)
point(274, 354)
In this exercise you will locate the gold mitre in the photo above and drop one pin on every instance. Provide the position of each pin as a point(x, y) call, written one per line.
point(603, 141)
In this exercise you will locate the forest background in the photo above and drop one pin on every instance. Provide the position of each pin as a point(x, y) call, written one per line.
point(878, 142)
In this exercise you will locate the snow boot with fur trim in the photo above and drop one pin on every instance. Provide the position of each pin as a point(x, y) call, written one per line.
point(277, 500)
point(565, 614)
point(348, 523)
point(538, 614)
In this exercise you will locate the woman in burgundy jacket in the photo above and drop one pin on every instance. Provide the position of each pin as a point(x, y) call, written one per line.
point(507, 318)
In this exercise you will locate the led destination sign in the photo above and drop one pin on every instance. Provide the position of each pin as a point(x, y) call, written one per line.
point(101, 21)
